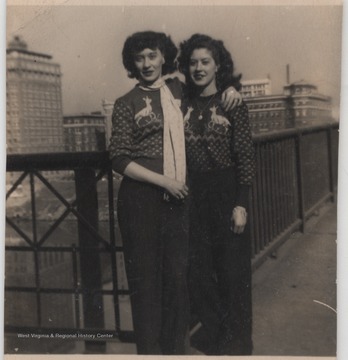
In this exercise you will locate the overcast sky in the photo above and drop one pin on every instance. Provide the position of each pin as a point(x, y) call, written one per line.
point(87, 42)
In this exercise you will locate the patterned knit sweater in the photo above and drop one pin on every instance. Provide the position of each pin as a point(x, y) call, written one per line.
point(137, 128)
point(217, 140)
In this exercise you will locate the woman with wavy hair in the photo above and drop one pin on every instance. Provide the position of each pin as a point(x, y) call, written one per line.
point(147, 146)
point(220, 160)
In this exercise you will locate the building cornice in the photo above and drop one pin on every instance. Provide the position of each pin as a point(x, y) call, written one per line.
point(46, 56)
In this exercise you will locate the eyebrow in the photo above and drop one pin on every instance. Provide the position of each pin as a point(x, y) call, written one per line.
point(150, 53)
point(206, 58)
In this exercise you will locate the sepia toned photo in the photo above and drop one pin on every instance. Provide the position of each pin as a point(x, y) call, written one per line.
point(171, 179)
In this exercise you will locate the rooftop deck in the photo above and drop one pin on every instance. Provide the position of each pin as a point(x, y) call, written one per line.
point(293, 284)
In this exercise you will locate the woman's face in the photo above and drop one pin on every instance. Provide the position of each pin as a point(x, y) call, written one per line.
point(203, 68)
point(149, 65)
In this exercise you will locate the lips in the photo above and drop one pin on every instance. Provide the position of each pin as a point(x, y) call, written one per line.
point(198, 76)
point(147, 73)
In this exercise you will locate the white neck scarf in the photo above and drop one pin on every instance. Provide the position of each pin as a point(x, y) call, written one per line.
point(174, 158)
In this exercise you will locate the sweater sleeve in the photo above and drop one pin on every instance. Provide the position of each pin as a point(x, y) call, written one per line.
point(243, 152)
point(121, 142)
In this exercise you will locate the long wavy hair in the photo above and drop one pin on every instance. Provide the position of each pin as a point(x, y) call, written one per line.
point(221, 56)
point(149, 40)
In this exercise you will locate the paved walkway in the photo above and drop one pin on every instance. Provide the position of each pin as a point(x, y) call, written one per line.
point(294, 295)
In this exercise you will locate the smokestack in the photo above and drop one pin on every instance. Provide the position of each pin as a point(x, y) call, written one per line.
point(287, 74)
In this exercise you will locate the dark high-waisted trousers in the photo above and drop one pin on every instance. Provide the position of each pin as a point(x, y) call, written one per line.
point(220, 265)
point(155, 238)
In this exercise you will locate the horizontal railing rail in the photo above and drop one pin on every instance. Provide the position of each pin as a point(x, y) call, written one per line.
point(296, 173)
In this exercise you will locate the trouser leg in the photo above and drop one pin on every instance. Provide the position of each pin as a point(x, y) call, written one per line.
point(234, 277)
point(226, 305)
point(204, 295)
point(155, 236)
point(232, 256)
point(138, 212)
point(175, 312)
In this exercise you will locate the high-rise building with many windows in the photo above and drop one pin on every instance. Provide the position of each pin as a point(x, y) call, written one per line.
point(34, 101)
point(300, 104)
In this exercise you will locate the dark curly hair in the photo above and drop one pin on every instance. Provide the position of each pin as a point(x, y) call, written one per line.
point(149, 40)
point(221, 56)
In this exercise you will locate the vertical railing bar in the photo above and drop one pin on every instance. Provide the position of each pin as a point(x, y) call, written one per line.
point(277, 209)
point(76, 287)
point(268, 193)
point(112, 252)
point(280, 189)
point(300, 180)
point(264, 192)
point(279, 193)
point(260, 191)
point(265, 169)
point(91, 282)
point(273, 190)
point(282, 174)
point(288, 181)
point(256, 203)
point(264, 199)
point(292, 185)
point(296, 205)
point(281, 202)
point(33, 207)
point(35, 253)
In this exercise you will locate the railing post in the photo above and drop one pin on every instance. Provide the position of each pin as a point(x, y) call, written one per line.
point(300, 180)
point(35, 253)
point(91, 277)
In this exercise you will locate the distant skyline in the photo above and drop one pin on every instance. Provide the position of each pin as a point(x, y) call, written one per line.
point(87, 42)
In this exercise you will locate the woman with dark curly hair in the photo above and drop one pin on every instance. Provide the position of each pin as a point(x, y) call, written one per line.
point(220, 159)
point(147, 146)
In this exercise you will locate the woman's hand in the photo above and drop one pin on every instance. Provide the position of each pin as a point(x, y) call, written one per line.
point(230, 98)
point(239, 219)
point(176, 188)
point(137, 172)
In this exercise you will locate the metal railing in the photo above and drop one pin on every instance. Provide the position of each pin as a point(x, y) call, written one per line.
point(296, 173)
point(86, 287)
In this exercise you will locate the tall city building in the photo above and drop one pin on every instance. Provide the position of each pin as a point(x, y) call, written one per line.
point(269, 112)
point(34, 101)
point(84, 132)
